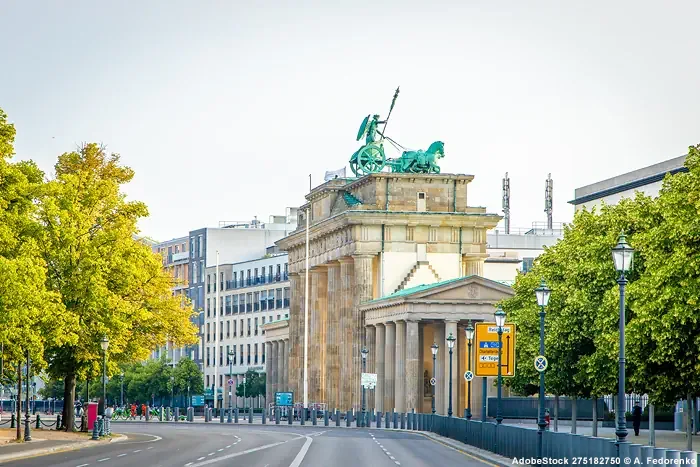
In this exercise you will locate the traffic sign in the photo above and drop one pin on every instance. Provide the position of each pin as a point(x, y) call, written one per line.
point(541, 363)
point(230, 382)
point(486, 343)
point(197, 401)
point(369, 380)
point(432, 381)
point(468, 375)
point(284, 399)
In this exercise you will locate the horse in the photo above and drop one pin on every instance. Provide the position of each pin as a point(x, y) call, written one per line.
point(422, 161)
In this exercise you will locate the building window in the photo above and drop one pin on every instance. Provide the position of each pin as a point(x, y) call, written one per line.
point(208, 307)
point(256, 354)
point(240, 356)
point(228, 304)
point(410, 231)
point(278, 275)
point(263, 353)
point(420, 203)
point(278, 296)
point(221, 330)
point(256, 301)
point(192, 247)
point(228, 330)
point(271, 299)
point(286, 297)
point(278, 317)
point(228, 359)
point(527, 264)
point(221, 381)
point(455, 236)
point(235, 304)
point(208, 283)
point(249, 302)
point(263, 326)
point(269, 274)
point(263, 300)
point(248, 352)
point(433, 234)
point(234, 279)
point(207, 378)
point(214, 307)
point(241, 328)
point(221, 355)
point(208, 339)
point(249, 326)
point(200, 245)
point(194, 272)
point(256, 327)
point(200, 278)
point(221, 281)
point(241, 303)
point(221, 307)
point(208, 358)
point(234, 328)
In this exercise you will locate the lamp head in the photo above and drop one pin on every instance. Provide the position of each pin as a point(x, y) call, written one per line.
point(451, 341)
point(623, 254)
point(364, 353)
point(104, 343)
point(500, 316)
point(469, 331)
point(542, 293)
point(434, 348)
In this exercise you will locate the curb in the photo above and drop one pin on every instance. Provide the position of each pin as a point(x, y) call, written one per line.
point(56, 449)
point(472, 451)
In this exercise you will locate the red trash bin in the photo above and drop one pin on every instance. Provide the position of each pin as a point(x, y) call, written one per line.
point(91, 414)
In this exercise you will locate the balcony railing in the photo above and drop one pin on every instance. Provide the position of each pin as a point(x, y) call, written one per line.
point(252, 281)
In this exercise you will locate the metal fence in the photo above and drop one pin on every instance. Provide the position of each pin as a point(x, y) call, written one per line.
point(521, 442)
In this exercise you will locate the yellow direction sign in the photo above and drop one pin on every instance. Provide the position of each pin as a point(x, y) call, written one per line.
point(486, 343)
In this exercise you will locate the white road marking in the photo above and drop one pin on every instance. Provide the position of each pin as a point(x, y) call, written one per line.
point(248, 451)
point(138, 450)
point(81, 465)
point(300, 456)
point(397, 462)
point(189, 463)
point(219, 450)
point(150, 447)
point(102, 460)
point(228, 446)
point(200, 458)
point(121, 455)
point(210, 454)
point(392, 458)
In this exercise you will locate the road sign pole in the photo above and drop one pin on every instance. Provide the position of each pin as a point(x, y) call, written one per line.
point(499, 418)
point(469, 383)
point(540, 422)
point(433, 396)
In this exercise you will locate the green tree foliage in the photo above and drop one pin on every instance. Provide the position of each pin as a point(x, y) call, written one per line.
point(109, 283)
point(664, 336)
point(188, 375)
point(254, 385)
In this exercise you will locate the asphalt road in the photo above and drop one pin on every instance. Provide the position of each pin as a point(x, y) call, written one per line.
point(258, 446)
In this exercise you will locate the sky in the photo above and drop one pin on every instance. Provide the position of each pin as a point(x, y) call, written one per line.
point(223, 108)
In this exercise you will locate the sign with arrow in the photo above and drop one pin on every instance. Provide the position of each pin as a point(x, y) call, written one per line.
point(486, 344)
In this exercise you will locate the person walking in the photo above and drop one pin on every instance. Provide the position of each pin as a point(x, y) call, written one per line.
point(636, 418)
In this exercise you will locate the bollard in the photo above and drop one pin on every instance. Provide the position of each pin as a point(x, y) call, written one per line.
point(403, 421)
point(290, 415)
point(83, 423)
point(58, 421)
point(12, 420)
point(635, 454)
point(250, 415)
point(277, 416)
point(337, 417)
point(230, 416)
point(379, 419)
point(396, 420)
point(264, 417)
point(37, 421)
point(177, 414)
point(314, 418)
point(387, 422)
point(325, 418)
point(689, 458)
point(235, 415)
point(95, 431)
point(148, 413)
point(415, 420)
point(160, 415)
point(348, 418)
point(659, 456)
point(673, 456)
point(221, 416)
point(100, 426)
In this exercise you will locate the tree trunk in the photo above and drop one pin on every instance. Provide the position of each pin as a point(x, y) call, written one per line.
point(68, 400)
point(594, 430)
point(688, 420)
point(556, 412)
point(652, 433)
point(573, 415)
point(19, 401)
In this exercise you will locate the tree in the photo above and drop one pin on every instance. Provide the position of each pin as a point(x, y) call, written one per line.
point(663, 337)
point(254, 385)
point(188, 377)
point(109, 283)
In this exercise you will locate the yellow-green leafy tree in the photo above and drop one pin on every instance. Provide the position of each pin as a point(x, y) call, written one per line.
point(111, 284)
point(29, 314)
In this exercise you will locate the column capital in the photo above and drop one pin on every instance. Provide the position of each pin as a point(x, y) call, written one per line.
point(377, 325)
point(451, 320)
point(412, 320)
point(345, 260)
point(364, 256)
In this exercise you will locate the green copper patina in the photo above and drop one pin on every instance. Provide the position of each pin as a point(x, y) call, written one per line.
point(370, 158)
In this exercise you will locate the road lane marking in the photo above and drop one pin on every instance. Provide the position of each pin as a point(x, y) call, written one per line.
point(392, 458)
point(228, 446)
point(102, 460)
point(150, 447)
point(219, 450)
point(210, 454)
point(138, 450)
point(300, 456)
point(121, 455)
point(81, 465)
point(457, 450)
point(248, 451)
point(188, 464)
point(200, 458)
point(397, 462)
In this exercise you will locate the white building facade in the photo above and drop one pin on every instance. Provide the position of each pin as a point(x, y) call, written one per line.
point(238, 303)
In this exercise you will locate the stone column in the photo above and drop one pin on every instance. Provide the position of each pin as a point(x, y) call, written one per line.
point(301, 285)
point(268, 371)
point(370, 344)
point(317, 331)
point(333, 333)
point(451, 327)
point(292, 369)
point(439, 338)
point(400, 367)
point(412, 366)
point(345, 299)
point(287, 351)
point(271, 360)
point(421, 368)
point(362, 292)
point(281, 386)
point(461, 369)
point(389, 352)
point(379, 365)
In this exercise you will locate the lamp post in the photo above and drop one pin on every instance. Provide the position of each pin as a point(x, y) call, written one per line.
point(122, 395)
point(542, 293)
point(105, 345)
point(27, 429)
point(623, 256)
point(434, 349)
point(450, 345)
point(231, 356)
point(364, 353)
point(500, 316)
point(189, 402)
point(172, 390)
point(469, 334)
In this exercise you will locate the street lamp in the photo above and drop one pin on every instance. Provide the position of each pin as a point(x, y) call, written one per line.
point(434, 349)
point(122, 396)
point(364, 353)
point(542, 293)
point(469, 334)
point(450, 345)
point(500, 316)
point(172, 390)
point(623, 256)
point(231, 355)
point(105, 345)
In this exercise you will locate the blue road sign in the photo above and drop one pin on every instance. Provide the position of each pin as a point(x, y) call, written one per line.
point(541, 363)
point(488, 345)
point(197, 401)
point(284, 399)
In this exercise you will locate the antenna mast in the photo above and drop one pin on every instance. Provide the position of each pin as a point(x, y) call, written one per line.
point(548, 198)
point(506, 202)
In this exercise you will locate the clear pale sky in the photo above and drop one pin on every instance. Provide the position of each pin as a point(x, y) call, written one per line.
point(223, 108)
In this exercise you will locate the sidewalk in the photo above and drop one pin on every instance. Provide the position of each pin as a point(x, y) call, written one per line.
point(46, 442)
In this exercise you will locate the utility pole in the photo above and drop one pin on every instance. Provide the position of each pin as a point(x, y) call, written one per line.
point(506, 202)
